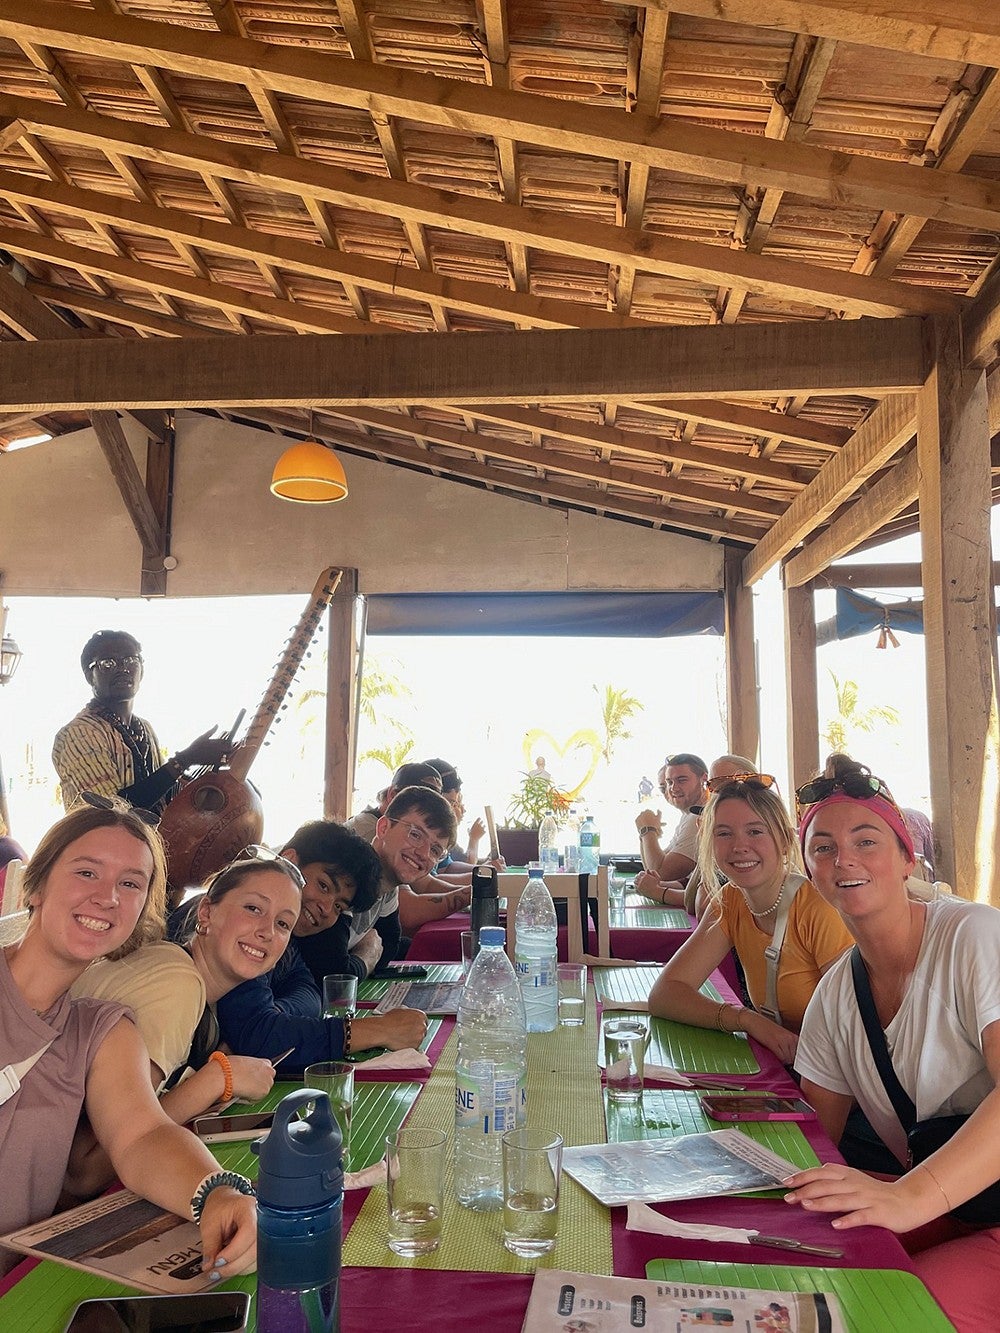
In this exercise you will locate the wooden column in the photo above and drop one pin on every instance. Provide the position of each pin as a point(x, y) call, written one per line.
point(800, 684)
point(341, 719)
point(742, 695)
point(953, 451)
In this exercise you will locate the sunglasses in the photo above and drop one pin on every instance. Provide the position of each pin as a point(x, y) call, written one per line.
point(741, 779)
point(120, 806)
point(860, 785)
point(257, 852)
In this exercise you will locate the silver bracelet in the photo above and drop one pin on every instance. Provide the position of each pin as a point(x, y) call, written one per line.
point(213, 1181)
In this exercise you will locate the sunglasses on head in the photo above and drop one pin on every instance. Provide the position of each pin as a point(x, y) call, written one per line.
point(741, 779)
point(860, 785)
point(120, 806)
point(257, 852)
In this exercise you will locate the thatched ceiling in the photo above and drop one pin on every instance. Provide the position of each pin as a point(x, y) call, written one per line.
point(223, 168)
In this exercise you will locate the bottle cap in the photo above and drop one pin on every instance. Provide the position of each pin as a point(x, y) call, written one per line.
point(492, 935)
point(301, 1164)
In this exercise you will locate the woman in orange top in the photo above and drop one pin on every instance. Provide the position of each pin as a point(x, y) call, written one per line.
point(747, 836)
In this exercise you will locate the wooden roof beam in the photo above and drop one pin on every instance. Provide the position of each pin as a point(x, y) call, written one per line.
point(670, 144)
point(811, 283)
point(962, 30)
point(891, 425)
point(24, 313)
point(831, 356)
point(115, 448)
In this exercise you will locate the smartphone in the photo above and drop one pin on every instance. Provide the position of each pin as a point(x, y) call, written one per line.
point(399, 973)
point(230, 1128)
point(755, 1106)
point(200, 1312)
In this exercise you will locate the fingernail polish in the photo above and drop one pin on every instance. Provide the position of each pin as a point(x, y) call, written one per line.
point(219, 1263)
point(214, 1277)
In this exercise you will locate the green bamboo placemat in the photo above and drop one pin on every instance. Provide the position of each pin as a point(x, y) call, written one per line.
point(372, 989)
point(872, 1299)
point(695, 1050)
point(628, 984)
point(564, 1094)
point(634, 914)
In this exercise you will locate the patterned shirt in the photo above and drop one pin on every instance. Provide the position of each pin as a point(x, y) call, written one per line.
point(92, 753)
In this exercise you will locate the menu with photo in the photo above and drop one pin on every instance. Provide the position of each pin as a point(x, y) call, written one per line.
point(695, 1166)
point(580, 1303)
point(431, 997)
point(123, 1237)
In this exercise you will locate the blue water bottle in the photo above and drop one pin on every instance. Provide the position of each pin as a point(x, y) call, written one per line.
point(300, 1204)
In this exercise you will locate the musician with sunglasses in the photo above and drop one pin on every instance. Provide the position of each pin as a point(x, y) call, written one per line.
point(784, 934)
point(912, 1015)
point(107, 749)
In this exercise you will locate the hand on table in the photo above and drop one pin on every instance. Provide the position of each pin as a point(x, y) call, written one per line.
point(398, 1029)
point(648, 882)
point(777, 1039)
point(900, 1205)
point(252, 1078)
point(229, 1232)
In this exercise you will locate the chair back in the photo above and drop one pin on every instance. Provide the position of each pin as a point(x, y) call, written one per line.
point(576, 891)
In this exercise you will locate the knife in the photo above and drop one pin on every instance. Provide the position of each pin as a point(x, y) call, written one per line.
point(787, 1243)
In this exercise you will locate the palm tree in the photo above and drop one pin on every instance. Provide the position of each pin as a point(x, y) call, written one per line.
point(617, 707)
point(851, 718)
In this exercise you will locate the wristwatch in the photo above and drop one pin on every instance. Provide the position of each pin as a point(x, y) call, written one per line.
point(648, 828)
point(212, 1182)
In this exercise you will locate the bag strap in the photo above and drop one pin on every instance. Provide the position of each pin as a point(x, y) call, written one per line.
point(902, 1103)
point(11, 1076)
point(772, 954)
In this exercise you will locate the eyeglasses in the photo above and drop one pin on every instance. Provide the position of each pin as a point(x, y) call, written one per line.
point(120, 806)
point(130, 663)
point(257, 852)
point(860, 785)
point(419, 837)
point(738, 779)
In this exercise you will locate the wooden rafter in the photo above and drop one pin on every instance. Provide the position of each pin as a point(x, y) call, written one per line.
point(26, 314)
point(856, 357)
point(115, 448)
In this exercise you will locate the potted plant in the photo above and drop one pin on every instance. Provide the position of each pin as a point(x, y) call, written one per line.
point(535, 797)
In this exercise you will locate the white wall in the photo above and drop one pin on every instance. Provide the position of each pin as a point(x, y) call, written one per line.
point(64, 530)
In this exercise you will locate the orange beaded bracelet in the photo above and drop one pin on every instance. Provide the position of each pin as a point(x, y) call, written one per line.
point(222, 1061)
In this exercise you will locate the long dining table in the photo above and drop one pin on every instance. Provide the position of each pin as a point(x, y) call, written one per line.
point(472, 1280)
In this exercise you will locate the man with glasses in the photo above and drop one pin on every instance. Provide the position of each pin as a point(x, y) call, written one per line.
point(107, 749)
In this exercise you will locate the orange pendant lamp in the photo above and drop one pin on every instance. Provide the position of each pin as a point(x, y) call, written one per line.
point(309, 473)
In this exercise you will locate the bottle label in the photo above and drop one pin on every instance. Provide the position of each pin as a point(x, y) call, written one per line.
point(532, 972)
point(491, 1103)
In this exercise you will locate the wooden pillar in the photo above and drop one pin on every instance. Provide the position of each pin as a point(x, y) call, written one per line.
point(800, 684)
point(742, 694)
point(341, 719)
point(953, 453)
point(156, 561)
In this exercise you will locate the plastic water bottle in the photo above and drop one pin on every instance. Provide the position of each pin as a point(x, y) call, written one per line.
point(490, 1073)
point(548, 843)
point(590, 847)
point(300, 1203)
point(535, 955)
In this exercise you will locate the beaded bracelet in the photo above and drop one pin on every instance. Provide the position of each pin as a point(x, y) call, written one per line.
point(718, 1016)
point(347, 1034)
point(222, 1060)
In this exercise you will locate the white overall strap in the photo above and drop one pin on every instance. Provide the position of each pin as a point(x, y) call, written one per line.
point(772, 953)
point(11, 1075)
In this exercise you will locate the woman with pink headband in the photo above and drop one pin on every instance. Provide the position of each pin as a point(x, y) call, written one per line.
point(927, 974)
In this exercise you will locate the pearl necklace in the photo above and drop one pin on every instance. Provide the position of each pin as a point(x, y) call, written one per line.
point(767, 910)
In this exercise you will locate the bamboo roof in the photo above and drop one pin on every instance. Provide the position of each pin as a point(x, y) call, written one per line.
point(223, 169)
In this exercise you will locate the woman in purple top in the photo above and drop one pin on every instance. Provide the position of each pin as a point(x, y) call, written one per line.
point(94, 888)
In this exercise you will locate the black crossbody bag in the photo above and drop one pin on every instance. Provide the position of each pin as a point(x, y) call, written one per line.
point(923, 1137)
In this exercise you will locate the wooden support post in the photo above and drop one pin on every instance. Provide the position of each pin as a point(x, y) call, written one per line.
point(953, 450)
point(800, 684)
point(742, 695)
point(341, 719)
point(159, 488)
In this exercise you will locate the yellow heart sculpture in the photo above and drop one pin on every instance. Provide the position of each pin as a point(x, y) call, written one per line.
point(586, 739)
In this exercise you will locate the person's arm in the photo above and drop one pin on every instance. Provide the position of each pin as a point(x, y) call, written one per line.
point(159, 1160)
point(676, 992)
point(415, 909)
point(204, 750)
point(397, 1030)
point(662, 892)
point(477, 832)
point(665, 863)
point(442, 883)
point(253, 1079)
point(252, 1022)
point(966, 1164)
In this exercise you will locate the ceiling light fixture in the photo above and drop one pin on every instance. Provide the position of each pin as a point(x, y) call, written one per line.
point(309, 473)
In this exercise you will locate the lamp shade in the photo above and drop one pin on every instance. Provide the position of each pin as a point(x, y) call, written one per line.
point(309, 473)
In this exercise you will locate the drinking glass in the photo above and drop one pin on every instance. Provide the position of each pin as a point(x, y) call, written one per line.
point(340, 996)
point(468, 951)
point(572, 994)
point(336, 1079)
point(532, 1165)
point(415, 1190)
point(624, 1058)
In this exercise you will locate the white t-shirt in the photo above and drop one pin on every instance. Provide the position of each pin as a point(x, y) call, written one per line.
point(387, 902)
point(935, 1039)
point(164, 989)
point(685, 839)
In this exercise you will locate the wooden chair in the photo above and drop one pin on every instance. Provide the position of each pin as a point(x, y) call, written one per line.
point(566, 887)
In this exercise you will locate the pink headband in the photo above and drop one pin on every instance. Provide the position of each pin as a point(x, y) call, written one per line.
point(878, 805)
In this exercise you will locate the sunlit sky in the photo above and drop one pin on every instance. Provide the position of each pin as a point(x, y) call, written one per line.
point(471, 700)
